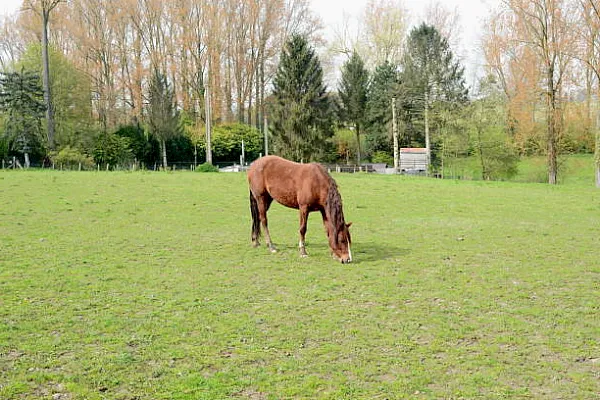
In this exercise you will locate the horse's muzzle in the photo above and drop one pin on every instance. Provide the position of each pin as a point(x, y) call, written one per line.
point(346, 260)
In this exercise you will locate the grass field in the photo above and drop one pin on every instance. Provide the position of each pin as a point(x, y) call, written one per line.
point(145, 286)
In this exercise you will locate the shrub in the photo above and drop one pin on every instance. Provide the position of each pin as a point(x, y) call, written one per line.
point(382, 157)
point(69, 157)
point(206, 167)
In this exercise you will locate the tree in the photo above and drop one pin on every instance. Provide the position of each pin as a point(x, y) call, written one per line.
point(590, 35)
point(431, 75)
point(227, 142)
point(163, 119)
point(44, 8)
point(21, 97)
point(385, 23)
point(490, 143)
point(384, 86)
point(301, 120)
point(546, 26)
point(353, 89)
point(71, 99)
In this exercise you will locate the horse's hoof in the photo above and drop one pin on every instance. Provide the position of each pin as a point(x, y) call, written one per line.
point(303, 255)
point(272, 249)
point(255, 244)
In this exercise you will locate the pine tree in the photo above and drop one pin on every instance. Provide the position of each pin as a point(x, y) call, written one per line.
point(430, 73)
point(384, 86)
point(21, 98)
point(163, 119)
point(300, 121)
point(353, 89)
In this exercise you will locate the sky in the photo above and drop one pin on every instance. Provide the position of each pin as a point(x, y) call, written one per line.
point(472, 13)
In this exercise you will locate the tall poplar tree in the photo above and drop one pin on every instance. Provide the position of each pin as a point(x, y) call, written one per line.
point(301, 117)
point(353, 90)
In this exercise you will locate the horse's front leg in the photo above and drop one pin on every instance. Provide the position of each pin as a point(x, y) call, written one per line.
point(303, 223)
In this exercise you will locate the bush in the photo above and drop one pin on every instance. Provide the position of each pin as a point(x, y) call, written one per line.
point(113, 149)
point(227, 139)
point(206, 167)
point(69, 157)
point(380, 157)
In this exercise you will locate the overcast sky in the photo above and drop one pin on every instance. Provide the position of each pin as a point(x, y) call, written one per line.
point(472, 13)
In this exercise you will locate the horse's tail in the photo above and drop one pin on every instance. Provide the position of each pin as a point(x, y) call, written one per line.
point(255, 217)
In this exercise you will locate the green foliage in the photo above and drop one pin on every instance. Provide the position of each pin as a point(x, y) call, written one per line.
point(384, 86)
point(429, 68)
point(113, 150)
point(206, 167)
point(345, 144)
point(301, 110)
point(353, 89)
point(383, 157)
point(431, 79)
point(70, 96)
point(497, 155)
point(71, 158)
point(162, 117)
point(226, 142)
point(21, 100)
point(143, 147)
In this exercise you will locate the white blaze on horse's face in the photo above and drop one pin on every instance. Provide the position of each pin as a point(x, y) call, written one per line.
point(340, 246)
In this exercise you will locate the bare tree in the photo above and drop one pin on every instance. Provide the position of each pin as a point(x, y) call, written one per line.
point(445, 20)
point(546, 27)
point(589, 31)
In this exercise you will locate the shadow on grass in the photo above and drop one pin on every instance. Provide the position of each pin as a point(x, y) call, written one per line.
point(361, 251)
point(373, 251)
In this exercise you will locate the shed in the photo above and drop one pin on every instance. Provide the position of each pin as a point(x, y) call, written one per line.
point(413, 160)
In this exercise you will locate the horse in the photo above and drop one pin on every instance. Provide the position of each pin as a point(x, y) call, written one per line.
point(305, 187)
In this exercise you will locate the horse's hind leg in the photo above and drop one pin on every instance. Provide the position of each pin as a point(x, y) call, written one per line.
point(255, 220)
point(264, 202)
point(303, 223)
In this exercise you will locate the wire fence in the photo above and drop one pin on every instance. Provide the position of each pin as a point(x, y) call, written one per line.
point(225, 166)
point(15, 163)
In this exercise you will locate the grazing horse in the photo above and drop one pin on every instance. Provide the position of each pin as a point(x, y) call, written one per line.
point(305, 187)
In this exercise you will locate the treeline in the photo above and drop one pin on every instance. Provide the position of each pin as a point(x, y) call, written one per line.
point(132, 81)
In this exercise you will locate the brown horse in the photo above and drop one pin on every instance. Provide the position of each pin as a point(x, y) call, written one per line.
point(306, 187)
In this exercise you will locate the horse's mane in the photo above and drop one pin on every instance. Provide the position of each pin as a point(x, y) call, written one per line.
point(333, 206)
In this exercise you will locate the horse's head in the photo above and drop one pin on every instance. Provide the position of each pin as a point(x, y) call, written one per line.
point(340, 244)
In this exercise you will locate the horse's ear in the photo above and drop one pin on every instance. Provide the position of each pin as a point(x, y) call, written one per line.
point(348, 225)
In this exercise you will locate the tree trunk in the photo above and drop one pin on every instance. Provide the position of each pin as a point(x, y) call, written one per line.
point(427, 141)
point(27, 163)
point(395, 135)
point(358, 144)
point(46, 81)
point(164, 153)
point(551, 135)
point(597, 148)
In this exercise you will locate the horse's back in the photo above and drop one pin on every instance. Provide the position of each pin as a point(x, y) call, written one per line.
point(291, 184)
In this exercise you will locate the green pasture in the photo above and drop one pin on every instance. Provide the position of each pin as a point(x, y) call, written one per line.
point(117, 285)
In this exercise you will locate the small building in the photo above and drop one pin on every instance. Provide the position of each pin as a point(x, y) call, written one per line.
point(413, 160)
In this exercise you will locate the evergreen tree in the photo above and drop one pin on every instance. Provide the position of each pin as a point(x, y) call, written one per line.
point(384, 86)
point(353, 89)
point(22, 99)
point(301, 121)
point(163, 119)
point(431, 75)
